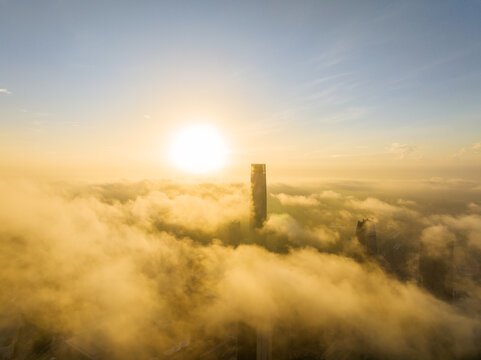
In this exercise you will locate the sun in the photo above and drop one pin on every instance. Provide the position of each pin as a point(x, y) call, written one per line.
point(198, 149)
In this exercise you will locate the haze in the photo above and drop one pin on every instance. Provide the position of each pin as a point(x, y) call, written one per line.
point(240, 180)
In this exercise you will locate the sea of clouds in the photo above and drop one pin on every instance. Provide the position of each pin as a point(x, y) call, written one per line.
point(137, 268)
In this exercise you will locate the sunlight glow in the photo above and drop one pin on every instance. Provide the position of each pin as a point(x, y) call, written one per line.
point(198, 149)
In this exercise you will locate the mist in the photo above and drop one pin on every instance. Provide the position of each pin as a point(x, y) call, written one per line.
point(163, 269)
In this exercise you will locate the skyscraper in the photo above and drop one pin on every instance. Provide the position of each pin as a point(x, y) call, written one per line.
point(259, 195)
point(264, 344)
point(366, 235)
point(437, 270)
point(258, 341)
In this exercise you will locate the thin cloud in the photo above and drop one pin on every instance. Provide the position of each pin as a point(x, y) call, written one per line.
point(296, 200)
point(474, 149)
point(401, 150)
point(5, 91)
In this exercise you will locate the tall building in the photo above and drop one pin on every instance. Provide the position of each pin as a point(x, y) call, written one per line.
point(259, 195)
point(437, 270)
point(246, 342)
point(256, 343)
point(234, 233)
point(366, 235)
point(264, 344)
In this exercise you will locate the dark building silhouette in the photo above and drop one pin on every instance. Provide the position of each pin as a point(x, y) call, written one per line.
point(23, 340)
point(246, 342)
point(234, 233)
point(258, 217)
point(396, 251)
point(256, 343)
point(264, 344)
point(437, 271)
point(259, 195)
point(366, 235)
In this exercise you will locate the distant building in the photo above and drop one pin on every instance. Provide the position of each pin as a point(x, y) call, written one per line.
point(23, 340)
point(437, 271)
point(366, 235)
point(258, 195)
point(234, 233)
point(264, 344)
point(246, 342)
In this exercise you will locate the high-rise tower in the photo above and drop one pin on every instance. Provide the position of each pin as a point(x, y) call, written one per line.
point(256, 343)
point(259, 195)
point(437, 270)
point(366, 235)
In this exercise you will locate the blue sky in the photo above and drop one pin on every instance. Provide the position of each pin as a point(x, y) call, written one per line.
point(372, 81)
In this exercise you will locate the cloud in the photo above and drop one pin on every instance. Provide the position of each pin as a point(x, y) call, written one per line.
point(284, 224)
point(474, 207)
point(154, 260)
point(296, 200)
point(5, 91)
point(307, 201)
point(375, 206)
point(468, 225)
point(437, 240)
point(329, 194)
point(404, 202)
point(467, 151)
point(401, 150)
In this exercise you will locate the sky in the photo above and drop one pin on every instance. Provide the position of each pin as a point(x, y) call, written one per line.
point(321, 88)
